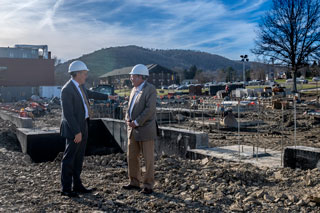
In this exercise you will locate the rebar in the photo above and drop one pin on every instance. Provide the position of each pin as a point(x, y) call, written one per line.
point(239, 127)
point(295, 122)
point(169, 111)
point(282, 127)
point(258, 130)
point(190, 114)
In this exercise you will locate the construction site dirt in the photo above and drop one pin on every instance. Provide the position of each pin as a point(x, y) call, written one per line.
point(182, 185)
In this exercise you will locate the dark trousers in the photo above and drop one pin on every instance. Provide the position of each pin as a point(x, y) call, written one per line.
point(72, 161)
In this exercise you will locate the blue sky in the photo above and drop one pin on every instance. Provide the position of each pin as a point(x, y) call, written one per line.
point(72, 28)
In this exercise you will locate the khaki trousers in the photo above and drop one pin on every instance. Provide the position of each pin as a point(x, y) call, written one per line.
point(135, 148)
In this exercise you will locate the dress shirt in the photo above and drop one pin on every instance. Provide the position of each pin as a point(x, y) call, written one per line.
point(137, 90)
point(84, 104)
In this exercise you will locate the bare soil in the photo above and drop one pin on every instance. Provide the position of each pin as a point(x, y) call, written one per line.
point(208, 185)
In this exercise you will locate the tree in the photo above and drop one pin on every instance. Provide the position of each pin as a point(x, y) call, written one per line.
point(258, 71)
point(231, 74)
point(221, 75)
point(204, 77)
point(189, 74)
point(57, 61)
point(290, 33)
point(315, 69)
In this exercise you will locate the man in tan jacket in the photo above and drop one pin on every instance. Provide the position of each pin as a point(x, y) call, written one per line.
point(141, 121)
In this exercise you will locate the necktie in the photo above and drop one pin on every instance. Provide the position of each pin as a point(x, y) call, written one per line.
point(134, 94)
point(86, 101)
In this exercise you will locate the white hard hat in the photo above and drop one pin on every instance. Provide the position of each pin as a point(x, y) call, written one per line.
point(77, 66)
point(139, 69)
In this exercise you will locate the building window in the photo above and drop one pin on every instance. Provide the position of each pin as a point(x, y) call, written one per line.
point(24, 55)
point(11, 55)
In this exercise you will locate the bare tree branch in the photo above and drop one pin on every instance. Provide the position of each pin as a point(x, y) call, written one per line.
point(290, 33)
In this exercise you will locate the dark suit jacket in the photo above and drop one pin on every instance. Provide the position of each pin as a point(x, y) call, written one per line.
point(73, 111)
point(144, 112)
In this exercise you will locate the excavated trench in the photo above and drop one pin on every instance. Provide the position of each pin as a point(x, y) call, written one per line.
point(44, 146)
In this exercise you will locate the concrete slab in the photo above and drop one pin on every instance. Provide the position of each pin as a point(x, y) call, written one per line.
point(20, 122)
point(270, 158)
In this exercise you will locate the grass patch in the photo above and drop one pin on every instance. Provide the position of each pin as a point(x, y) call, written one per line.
point(257, 86)
point(281, 81)
point(123, 92)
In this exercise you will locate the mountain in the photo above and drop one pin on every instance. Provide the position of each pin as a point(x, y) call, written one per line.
point(108, 59)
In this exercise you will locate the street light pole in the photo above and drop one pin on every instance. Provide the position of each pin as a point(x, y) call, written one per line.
point(244, 58)
point(243, 72)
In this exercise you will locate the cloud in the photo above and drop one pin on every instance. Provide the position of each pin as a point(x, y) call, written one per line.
point(72, 28)
point(49, 17)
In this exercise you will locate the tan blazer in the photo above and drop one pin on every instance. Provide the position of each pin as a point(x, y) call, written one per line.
point(144, 112)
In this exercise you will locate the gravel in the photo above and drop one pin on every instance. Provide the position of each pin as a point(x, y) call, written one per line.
point(207, 185)
point(210, 185)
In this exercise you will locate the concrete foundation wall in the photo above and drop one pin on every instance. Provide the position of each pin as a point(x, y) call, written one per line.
point(171, 141)
point(107, 136)
point(301, 157)
point(20, 122)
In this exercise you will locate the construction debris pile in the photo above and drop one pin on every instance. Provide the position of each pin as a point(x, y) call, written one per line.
point(35, 107)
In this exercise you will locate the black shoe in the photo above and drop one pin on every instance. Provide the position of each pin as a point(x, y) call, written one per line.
point(69, 194)
point(146, 191)
point(82, 190)
point(131, 187)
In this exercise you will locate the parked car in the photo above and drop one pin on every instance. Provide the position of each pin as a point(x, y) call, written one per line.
point(299, 81)
point(208, 84)
point(164, 87)
point(270, 83)
point(290, 80)
point(182, 87)
point(173, 86)
point(254, 82)
point(302, 81)
point(316, 79)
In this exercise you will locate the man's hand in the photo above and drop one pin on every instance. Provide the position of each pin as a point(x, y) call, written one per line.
point(78, 138)
point(131, 124)
point(113, 97)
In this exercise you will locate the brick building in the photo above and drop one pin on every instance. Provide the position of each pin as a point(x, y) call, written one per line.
point(23, 69)
point(158, 76)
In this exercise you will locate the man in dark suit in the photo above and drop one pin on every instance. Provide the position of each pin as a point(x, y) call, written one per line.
point(74, 127)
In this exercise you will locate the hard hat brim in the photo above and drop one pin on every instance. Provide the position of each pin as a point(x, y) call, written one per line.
point(77, 70)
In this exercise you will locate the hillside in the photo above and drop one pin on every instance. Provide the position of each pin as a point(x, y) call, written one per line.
point(108, 59)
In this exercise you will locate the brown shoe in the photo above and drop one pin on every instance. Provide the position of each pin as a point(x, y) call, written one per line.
point(146, 191)
point(131, 187)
